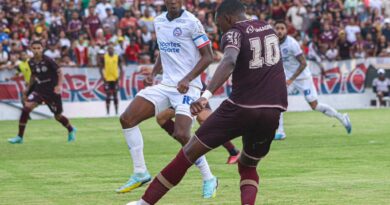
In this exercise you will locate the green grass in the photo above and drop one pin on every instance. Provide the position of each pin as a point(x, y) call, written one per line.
point(318, 163)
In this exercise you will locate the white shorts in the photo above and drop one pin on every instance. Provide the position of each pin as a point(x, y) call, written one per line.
point(306, 87)
point(164, 97)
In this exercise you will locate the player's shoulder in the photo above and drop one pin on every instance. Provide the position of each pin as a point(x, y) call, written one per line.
point(161, 18)
point(188, 16)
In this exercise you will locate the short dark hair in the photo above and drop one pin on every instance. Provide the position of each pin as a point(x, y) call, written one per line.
point(37, 42)
point(232, 7)
point(280, 22)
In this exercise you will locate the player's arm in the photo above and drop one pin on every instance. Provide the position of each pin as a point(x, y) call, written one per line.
point(221, 75)
point(157, 68)
point(302, 67)
point(60, 75)
point(101, 67)
point(205, 60)
point(29, 86)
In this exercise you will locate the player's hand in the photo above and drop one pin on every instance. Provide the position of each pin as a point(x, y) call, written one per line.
point(288, 82)
point(148, 81)
point(198, 106)
point(183, 86)
point(58, 89)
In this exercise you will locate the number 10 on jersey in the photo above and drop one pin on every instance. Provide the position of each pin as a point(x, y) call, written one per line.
point(271, 53)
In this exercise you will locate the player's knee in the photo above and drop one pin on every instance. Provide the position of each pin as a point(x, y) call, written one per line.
point(57, 117)
point(250, 161)
point(128, 120)
point(313, 105)
point(181, 136)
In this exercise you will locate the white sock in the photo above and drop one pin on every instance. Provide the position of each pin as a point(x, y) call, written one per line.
point(329, 111)
point(281, 124)
point(204, 168)
point(135, 143)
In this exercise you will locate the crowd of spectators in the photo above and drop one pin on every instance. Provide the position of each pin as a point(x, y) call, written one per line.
point(76, 32)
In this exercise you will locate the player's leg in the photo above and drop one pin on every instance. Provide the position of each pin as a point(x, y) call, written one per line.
point(115, 96)
point(219, 128)
point(29, 105)
point(256, 145)
point(182, 133)
point(380, 98)
point(164, 119)
point(229, 146)
point(108, 97)
point(146, 104)
point(280, 134)
point(54, 103)
point(139, 110)
point(311, 96)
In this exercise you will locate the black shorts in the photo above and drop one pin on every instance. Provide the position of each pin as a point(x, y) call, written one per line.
point(53, 101)
point(256, 126)
point(111, 86)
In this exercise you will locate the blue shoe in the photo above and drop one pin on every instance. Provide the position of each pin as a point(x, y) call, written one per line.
point(16, 140)
point(347, 123)
point(210, 188)
point(72, 135)
point(280, 136)
point(135, 181)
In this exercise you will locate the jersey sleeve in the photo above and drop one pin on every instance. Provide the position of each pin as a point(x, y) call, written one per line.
point(53, 65)
point(232, 39)
point(199, 35)
point(296, 48)
point(375, 82)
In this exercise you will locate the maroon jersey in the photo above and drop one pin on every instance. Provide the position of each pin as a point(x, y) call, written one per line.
point(45, 73)
point(258, 78)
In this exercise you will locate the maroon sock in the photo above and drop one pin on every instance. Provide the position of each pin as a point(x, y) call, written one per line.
point(249, 183)
point(230, 148)
point(23, 121)
point(65, 122)
point(169, 126)
point(108, 100)
point(171, 174)
point(116, 103)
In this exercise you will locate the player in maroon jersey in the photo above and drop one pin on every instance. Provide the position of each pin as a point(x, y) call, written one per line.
point(165, 120)
point(47, 79)
point(259, 95)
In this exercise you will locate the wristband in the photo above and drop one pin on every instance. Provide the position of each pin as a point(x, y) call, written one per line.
point(207, 94)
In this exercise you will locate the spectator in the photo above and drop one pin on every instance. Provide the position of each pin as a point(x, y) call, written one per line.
point(147, 20)
point(129, 21)
point(81, 51)
point(93, 51)
point(351, 30)
point(92, 23)
point(119, 11)
point(345, 47)
point(101, 9)
point(67, 62)
point(332, 53)
point(12, 64)
point(370, 46)
point(278, 10)
point(4, 57)
point(74, 26)
point(381, 46)
point(53, 52)
point(146, 35)
point(381, 86)
point(110, 22)
point(132, 52)
point(296, 14)
point(386, 29)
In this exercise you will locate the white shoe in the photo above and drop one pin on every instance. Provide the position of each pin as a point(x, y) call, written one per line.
point(347, 123)
point(280, 136)
point(132, 203)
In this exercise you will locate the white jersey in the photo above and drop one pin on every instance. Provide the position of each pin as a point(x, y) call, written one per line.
point(290, 50)
point(179, 41)
point(381, 86)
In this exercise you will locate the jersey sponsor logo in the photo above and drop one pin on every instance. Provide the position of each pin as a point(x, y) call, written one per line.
point(177, 32)
point(250, 29)
point(169, 47)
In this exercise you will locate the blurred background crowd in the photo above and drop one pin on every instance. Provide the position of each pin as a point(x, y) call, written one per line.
point(76, 32)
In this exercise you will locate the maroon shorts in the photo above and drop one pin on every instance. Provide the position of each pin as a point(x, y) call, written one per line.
point(111, 86)
point(53, 101)
point(256, 126)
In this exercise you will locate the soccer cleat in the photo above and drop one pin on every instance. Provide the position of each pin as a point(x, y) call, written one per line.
point(133, 203)
point(210, 188)
point(233, 158)
point(16, 140)
point(72, 135)
point(135, 181)
point(280, 136)
point(347, 123)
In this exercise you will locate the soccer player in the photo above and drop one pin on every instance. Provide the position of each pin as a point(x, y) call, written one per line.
point(259, 95)
point(298, 76)
point(111, 72)
point(164, 119)
point(185, 52)
point(381, 86)
point(47, 79)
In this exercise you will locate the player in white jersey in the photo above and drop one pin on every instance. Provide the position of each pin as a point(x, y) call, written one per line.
point(299, 77)
point(185, 52)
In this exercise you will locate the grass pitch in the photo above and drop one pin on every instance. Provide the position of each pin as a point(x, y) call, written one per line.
point(318, 163)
